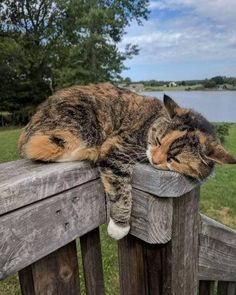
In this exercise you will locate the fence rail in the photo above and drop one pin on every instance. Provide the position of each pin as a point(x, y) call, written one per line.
point(45, 207)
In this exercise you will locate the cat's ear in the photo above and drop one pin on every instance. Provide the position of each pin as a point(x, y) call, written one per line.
point(170, 105)
point(219, 155)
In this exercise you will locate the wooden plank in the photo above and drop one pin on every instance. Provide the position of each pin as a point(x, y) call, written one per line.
point(151, 218)
point(154, 268)
point(92, 263)
point(36, 230)
point(226, 288)
point(206, 288)
point(24, 182)
point(55, 274)
point(133, 280)
point(162, 183)
point(181, 268)
point(217, 255)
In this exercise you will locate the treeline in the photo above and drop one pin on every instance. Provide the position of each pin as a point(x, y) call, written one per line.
point(49, 44)
point(208, 83)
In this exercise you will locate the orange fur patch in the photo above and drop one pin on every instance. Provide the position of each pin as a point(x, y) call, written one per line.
point(159, 154)
point(170, 138)
point(81, 154)
point(106, 183)
point(40, 146)
point(109, 143)
point(202, 137)
point(181, 112)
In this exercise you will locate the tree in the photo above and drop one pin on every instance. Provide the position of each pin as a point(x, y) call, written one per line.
point(219, 80)
point(209, 84)
point(63, 42)
point(127, 80)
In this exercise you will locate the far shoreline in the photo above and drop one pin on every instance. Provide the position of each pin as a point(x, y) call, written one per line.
point(187, 90)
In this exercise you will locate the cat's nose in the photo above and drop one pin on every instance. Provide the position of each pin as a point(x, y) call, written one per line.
point(158, 156)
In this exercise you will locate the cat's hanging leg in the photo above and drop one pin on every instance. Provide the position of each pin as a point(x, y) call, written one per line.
point(116, 171)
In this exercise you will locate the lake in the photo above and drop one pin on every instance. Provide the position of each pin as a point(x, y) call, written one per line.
point(216, 106)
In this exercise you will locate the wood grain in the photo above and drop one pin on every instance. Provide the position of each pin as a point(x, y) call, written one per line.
point(133, 280)
point(92, 263)
point(162, 183)
point(36, 230)
point(24, 182)
point(206, 288)
point(151, 217)
point(154, 268)
point(181, 267)
point(55, 274)
point(217, 255)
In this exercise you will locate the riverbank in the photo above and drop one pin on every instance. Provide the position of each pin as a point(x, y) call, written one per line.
point(198, 87)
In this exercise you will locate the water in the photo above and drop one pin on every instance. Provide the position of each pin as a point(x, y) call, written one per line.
point(216, 106)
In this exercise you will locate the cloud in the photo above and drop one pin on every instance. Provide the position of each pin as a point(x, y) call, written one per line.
point(190, 30)
point(218, 10)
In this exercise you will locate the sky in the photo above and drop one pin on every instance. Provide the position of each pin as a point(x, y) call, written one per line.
point(184, 40)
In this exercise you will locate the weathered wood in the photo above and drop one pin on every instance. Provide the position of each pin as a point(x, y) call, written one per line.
point(92, 263)
point(55, 274)
point(24, 182)
point(162, 183)
point(226, 288)
point(154, 268)
point(181, 267)
point(217, 255)
point(133, 280)
point(36, 230)
point(151, 217)
point(206, 288)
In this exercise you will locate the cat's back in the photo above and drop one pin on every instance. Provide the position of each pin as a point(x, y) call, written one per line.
point(91, 112)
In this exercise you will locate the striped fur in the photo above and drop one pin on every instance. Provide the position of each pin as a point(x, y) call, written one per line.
point(116, 128)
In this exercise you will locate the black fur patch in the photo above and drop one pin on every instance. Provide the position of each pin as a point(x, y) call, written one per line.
point(58, 141)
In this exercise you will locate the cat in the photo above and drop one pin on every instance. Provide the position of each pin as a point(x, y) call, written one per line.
point(116, 128)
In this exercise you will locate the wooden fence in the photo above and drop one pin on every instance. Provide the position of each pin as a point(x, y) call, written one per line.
point(171, 247)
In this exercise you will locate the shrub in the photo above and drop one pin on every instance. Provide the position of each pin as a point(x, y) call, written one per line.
point(22, 116)
point(222, 130)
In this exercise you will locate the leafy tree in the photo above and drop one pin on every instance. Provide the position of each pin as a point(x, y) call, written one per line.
point(48, 44)
point(209, 84)
point(219, 80)
point(127, 80)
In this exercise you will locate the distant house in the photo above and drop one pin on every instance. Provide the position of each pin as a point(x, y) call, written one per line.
point(172, 84)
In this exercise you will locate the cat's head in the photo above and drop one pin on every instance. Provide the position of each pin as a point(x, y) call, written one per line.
point(184, 141)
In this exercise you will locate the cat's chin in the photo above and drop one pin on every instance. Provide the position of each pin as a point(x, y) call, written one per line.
point(116, 231)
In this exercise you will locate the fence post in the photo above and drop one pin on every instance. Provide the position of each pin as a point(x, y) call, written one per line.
point(167, 269)
point(180, 273)
point(133, 280)
point(55, 274)
point(92, 263)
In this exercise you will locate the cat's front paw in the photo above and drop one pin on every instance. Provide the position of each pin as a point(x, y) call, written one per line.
point(116, 231)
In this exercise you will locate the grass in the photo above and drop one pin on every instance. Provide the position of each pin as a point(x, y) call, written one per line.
point(8, 145)
point(218, 200)
point(218, 196)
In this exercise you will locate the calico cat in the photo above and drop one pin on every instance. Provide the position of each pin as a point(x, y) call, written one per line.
point(116, 128)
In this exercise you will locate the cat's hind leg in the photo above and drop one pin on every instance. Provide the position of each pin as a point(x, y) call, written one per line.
point(57, 146)
point(116, 177)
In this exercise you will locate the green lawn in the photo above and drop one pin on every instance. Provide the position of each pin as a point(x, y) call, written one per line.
point(218, 200)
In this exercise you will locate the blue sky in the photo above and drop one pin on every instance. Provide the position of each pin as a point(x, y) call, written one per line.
point(184, 39)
